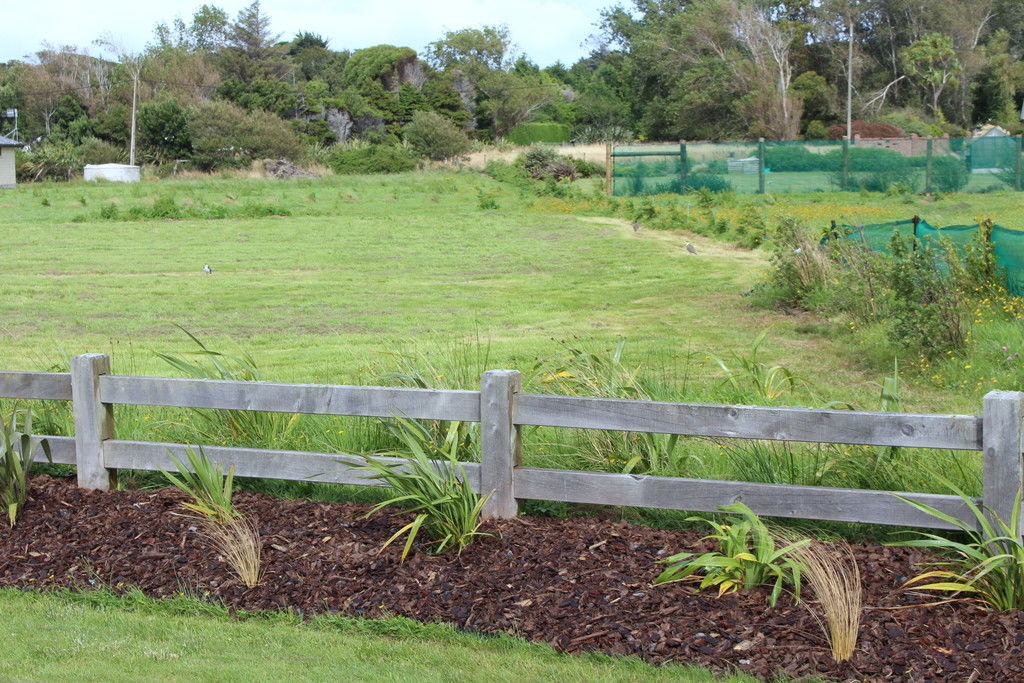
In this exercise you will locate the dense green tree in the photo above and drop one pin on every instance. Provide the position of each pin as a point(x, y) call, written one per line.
point(163, 129)
point(932, 61)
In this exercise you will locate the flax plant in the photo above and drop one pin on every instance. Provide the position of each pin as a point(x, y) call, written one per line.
point(207, 484)
point(988, 567)
point(606, 375)
point(17, 453)
point(752, 381)
point(448, 510)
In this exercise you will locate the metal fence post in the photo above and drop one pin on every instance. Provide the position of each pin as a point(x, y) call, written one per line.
point(608, 169)
point(928, 169)
point(760, 166)
point(1002, 425)
point(94, 421)
point(1017, 163)
point(500, 450)
point(683, 163)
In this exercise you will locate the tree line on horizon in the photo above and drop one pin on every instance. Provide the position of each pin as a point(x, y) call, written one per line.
point(216, 91)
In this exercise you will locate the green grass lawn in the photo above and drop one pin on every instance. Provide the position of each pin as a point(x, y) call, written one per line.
point(96, 637)
point(368, 266)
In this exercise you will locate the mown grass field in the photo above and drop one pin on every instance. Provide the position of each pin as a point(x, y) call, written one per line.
point(364, 267)
point(100, 637)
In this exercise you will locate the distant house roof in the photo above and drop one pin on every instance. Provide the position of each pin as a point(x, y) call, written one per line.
point(7, 142)
point(989, 130)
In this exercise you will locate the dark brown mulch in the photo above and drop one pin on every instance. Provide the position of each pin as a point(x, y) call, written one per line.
point(579, 584)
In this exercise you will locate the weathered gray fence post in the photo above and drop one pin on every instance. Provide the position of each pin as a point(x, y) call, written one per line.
point(501, 451)
point(94, 421)
point(1002, 427)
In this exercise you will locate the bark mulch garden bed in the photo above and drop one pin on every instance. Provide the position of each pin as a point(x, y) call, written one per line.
point(578, 584)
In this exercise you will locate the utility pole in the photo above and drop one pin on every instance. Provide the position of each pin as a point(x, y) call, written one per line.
point(849, 83)
point(135, 102)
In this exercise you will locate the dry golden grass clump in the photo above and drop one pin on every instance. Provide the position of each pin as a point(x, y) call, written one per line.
point(831, 572)
point(234, 537)
point(238, 542)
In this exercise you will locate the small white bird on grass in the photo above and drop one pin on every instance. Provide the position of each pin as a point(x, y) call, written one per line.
point(207, 269)
point(690, 248)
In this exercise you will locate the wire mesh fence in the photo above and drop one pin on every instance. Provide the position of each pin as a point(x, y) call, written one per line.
point(1007, 244)
point(981, 164)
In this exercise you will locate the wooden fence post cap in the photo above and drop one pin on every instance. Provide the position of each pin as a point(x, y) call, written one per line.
point(85, 359)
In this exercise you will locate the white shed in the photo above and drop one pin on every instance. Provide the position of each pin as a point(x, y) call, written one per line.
point(746, 165)
point(7, 149)
point(118, 173)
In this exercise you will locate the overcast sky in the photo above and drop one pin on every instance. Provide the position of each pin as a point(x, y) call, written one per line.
point(546, 30)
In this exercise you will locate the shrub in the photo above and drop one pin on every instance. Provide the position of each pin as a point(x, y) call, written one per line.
point(816, 130)
point(747, 557)
point(438, 490)
point(164, 129)
point(586, 169)
point(543, 163)
point(50, 161)
point(717, 167)
point(949, 174)
point(529, 133)
point(96, 151)
point(352, 160)
point(17, 453)
point(924, 311)
point(705, 181)
point(791, 157)
point(226, 136)
point(506, 172)
point(435, 137)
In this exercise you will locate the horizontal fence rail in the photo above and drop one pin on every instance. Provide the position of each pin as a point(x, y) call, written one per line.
point(502, 409)
point(956, 432)
point(316, 399)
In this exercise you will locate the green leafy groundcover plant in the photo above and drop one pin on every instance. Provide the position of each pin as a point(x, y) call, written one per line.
point(747, 557)
point(448, 508)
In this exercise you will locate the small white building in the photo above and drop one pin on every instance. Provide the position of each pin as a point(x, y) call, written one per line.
point(746, 165)
point(118, 173)
point(7, 149)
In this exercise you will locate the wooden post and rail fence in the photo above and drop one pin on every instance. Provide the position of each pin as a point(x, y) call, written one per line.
point(502, 410)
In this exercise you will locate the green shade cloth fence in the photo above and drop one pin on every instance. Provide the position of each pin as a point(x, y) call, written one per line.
point(1008, 244)
point(918, 164)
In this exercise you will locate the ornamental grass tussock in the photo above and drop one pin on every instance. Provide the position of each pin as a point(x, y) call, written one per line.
point(234, 537)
